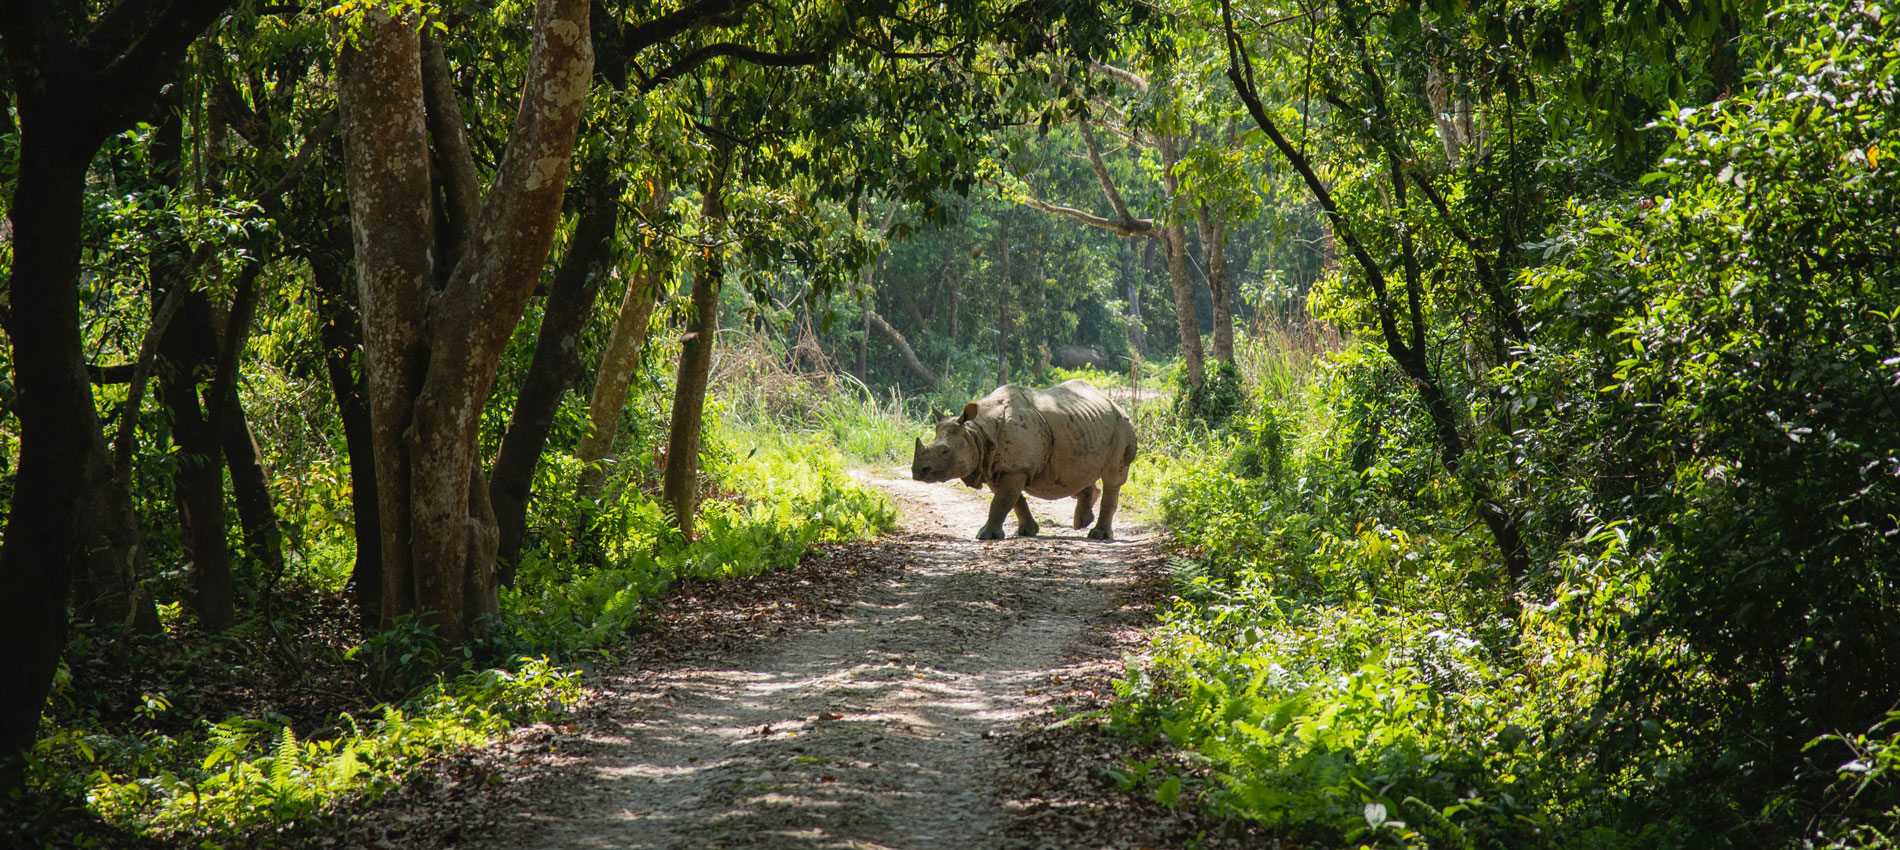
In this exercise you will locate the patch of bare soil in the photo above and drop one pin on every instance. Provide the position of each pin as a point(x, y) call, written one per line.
point(920, 692)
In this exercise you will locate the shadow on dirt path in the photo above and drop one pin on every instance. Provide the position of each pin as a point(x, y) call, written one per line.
point(874, 728)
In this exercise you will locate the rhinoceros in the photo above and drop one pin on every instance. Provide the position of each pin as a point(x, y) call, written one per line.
point(1049, 443)
point(1078, 356)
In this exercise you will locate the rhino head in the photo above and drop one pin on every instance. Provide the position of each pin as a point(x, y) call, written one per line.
point(953, 454)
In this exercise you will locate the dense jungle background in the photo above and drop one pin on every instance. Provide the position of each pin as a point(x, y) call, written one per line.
point(1518, 383)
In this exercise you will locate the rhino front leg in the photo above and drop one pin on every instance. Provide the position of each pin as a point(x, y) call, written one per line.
point(1026, 525)
point(1009, 491)
point(1085, 507)
point(1111, 498)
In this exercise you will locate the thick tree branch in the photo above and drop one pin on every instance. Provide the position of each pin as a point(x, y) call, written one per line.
point(1140, 83)
point(110, 375)
point(237, 329)
point(225, 99)
point(663, 28)
point(141, 66)
point(902, 345)
point(909, 304)
point(744, 53)
point(141, 372)
point(1131, 227)
point(448, 140)
point(312, 143)
point(1491, 275)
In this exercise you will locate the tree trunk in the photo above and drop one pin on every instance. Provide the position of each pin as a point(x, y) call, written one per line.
point(624, 347)
point(1410, 354)
point(909, 304)
point(1131, 285)
point(1004, 291)
point(109, 592)
point(186, 350)
point(250, 488)
point(63, 460)
point(190, 353)
point(431, 356)
point(341, 334)
point(1174, 246)
point(680, 486)
point(955, 296)
point(946, 274)
point(902, 345)
point(1213, 233)
point(70, 100)
point(571, 299)
point(864, 342)
point(198, 476)
point(386, 148)
point(119, 553)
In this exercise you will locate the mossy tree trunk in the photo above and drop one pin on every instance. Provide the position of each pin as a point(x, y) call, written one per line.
point(432, 340)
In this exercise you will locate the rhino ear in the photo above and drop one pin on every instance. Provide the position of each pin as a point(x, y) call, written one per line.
point(937, 415)
point(969, 412)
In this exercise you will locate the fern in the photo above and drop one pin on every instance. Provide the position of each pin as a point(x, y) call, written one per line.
point(287, 759)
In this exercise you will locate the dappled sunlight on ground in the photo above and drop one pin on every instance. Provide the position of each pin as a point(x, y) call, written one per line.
point(874, 728)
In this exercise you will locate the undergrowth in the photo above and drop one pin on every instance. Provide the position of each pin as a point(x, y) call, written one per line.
point(1700, 446)
point(222, 747)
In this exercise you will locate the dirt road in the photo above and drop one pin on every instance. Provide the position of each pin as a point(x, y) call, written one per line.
point(876, 727)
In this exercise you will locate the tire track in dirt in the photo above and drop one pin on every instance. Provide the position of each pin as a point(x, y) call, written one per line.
point(877, 727)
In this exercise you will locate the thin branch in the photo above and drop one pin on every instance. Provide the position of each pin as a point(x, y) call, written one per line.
point(1507, 307)
point(1115, 201)
point(1240, 72)
point(122, 443)
point(301, 160)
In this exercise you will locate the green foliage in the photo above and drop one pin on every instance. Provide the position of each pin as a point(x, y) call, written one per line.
point(1737, 326)
point(1869, 779)
point(796, 494)
point(245, 774)
point(1335, 654)
point(1095, 376)
point(1215, 401)
point(1698, 435)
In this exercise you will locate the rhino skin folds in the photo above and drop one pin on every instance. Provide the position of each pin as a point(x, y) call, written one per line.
point(1067, 440)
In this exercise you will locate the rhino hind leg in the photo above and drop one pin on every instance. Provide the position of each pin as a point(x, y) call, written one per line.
point(1085, 507)
point(1111, 498)
point(1026, 525)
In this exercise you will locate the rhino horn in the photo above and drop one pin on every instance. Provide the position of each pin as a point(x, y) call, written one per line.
point(918, 450)
point(969, 412)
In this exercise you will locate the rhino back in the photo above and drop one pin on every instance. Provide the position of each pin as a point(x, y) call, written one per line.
point(1065, 437)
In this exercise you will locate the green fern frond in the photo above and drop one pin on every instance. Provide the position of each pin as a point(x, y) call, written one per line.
point(287, 758)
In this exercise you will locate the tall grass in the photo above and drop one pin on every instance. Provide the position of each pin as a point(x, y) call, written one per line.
point(759, 384)
point(1279, 364)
